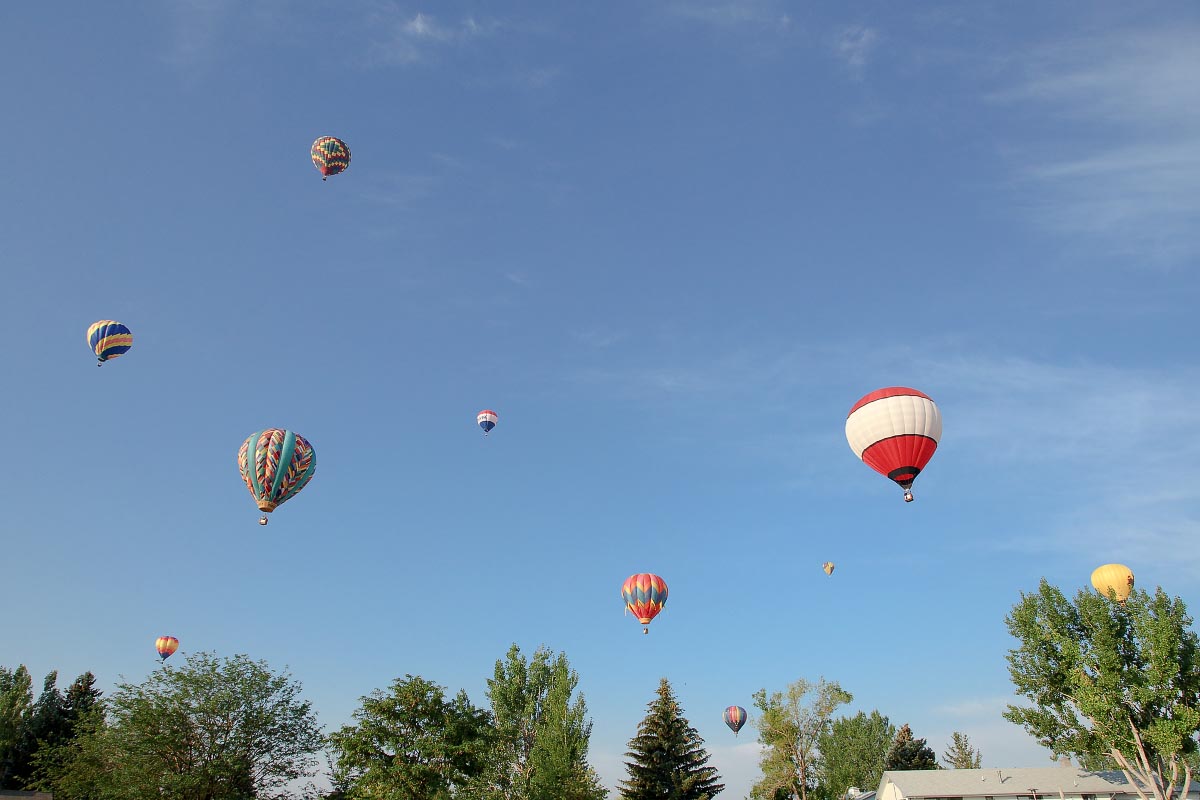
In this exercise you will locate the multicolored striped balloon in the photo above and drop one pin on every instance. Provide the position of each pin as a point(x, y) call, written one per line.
point(895, 431)
point(735, 718)
point(644, 595)
point(275, 465)
point(487, 420)
point(109, 339)
point(166, 645)
point(330, 156)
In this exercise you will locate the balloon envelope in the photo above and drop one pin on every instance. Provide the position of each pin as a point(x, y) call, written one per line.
point(487, 420)
point(109, 339)
point(166, 645)
point(895, 431)
point(828, 567)
point(275, 465)
point(1116, 578)
point(735, 718)
point(330, 155)
point(645, 594)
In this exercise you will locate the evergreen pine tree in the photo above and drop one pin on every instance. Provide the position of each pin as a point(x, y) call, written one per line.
point(909, 753)
point(81, 698)
point(668, 757)
point(961, 755)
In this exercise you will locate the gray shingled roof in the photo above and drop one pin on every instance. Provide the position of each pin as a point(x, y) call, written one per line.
point(1005, 782)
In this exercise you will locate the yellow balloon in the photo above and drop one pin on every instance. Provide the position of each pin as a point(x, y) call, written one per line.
point(1115, 577)
point(828, 567)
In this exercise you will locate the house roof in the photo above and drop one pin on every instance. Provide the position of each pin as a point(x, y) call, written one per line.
point(1005, 782)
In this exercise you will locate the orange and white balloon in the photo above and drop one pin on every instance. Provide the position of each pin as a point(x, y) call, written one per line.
point(895, 431)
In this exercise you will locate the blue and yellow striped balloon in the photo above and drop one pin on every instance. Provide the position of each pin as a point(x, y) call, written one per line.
point(109, 339)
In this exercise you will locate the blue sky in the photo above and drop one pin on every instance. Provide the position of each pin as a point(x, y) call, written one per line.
point(670, 244)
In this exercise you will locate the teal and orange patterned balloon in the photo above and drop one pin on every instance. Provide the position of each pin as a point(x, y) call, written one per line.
point(645, 595)
point(275, 464)
point(330, 156)
point(109, 339)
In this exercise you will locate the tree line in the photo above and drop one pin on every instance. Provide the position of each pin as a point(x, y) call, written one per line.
point(1113, 683)
point(810, 755)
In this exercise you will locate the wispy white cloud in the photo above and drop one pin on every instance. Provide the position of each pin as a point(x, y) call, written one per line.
point(195, 30)
point(599, 337)
point(1119, 167)
point(1122, 438)
point(526, 78)
point(733, 13)
point(199, 32)
point(974, 707)
point(854, 46)
point(407, 37)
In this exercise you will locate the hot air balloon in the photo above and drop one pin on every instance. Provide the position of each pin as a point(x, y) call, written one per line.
point(895, 431)
point(109, 339)
point(166, 645)
point(735, 718)
point(645, 595)
point(1114, 578)
point(487, 420)
point(280, 464)
point(330, 156)
point(828, 567)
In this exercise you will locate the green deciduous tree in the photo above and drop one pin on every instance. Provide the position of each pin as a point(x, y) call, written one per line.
point(542, 734)
point(908, 752)
point(58, 720)
point(1110, 681)
point(853, 751)
point(790, 728)
point(667, 756)
point(412, 742)
point(16, 707)
point(211, 729)
point(960, 754)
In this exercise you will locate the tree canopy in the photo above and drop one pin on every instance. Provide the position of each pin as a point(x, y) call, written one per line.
point(667, 759)
point(412, 742)
point(1110, 681)
point(542, 733)
point(908, 752)
point(960, 754)
point(853, 751)
point(790, 728)
point(211, 729)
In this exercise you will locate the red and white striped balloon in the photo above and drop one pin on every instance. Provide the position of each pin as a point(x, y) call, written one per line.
point(895, 431)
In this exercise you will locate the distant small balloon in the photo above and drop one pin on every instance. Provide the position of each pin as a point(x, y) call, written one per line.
point(330, 155)
point(487, 420)
point(828, 567)
point(166, 645)
point(109, 339)
point(735, 718)
point(1116, 578)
